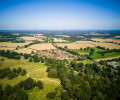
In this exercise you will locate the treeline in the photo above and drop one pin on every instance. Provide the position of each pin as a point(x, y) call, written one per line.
point(108, 51)
point(67, 50)
point(18, 41)
point(17, 92)
point(91, 82)
point(10, 54)
point(10, 74)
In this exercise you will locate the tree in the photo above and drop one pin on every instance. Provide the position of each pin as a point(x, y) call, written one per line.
point(30, 60)
point(51, 95)
point(12, 75)
point(19, 70)
point(23, 72)
point(52, 73)
point(39, 84)
point(65, 96)
point(35, 58)
point(28, 84)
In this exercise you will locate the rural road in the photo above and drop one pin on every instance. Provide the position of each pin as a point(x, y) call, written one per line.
point(42, 79)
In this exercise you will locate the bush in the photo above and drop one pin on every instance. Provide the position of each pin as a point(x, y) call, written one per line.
point(28, 84)
point(12, 75)
point(51, 95)
point(2, 59)
point(23, 72)
point(52, 73)
point(39, 84)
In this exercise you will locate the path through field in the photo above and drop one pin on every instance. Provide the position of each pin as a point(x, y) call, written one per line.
point(40, 78)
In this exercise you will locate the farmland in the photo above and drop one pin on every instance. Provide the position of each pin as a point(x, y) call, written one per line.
point(61, 67)
point(25, 50)
point(106, 40)
point(74, 46)
point(42, 46)
point(31, 38)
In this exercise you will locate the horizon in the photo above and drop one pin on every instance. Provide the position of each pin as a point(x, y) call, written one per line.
point(60, 15)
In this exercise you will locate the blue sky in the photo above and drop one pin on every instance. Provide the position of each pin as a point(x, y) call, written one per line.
point(59, 14)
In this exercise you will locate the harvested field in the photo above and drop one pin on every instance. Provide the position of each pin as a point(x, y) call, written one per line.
point(30, 38)
point(117, 36)
point(102, 44)
point(106, 40)
point(42, 46)
point(6, 48)
point(107, 58)
point(63, 35)
point(74, 46)
point(25, 50)
point(58, 40)
point(12, 45)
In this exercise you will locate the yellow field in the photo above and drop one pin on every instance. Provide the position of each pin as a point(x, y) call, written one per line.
point(63, 35)
point(30, 38)
point(58, 40)
point(25, 50)
point(42, 46)
point(117, 36)
point(12, 45)
point(106, 40)
point(6, 48)
point(74, 45)
point(102, 44)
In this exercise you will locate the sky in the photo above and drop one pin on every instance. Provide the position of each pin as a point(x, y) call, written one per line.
point(59, 14)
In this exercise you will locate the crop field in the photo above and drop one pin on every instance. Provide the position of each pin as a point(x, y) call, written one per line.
point(58, 40)
point(30, 38)
point(109, 58)
point(25, 50)
point(74, 45)
point(6, 48)
point(12, 45)
point(42, 46)
point(106, 40)
point(63, 35)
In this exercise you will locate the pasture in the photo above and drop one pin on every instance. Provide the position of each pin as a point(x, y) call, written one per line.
point(42, 46)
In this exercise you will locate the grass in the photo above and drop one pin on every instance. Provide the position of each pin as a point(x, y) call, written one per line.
point(107, 55)
point(36, 94)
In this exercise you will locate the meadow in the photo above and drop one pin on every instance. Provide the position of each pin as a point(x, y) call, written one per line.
point(35, 93)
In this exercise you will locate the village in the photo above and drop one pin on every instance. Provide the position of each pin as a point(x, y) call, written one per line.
point(58, 54)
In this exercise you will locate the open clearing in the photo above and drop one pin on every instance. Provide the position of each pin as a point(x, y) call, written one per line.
point(13, 45)
point(30, 38)
point(42, 46)
point(106, 40)
point(25, 50)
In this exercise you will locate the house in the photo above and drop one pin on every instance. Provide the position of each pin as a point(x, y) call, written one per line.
point(113, 63)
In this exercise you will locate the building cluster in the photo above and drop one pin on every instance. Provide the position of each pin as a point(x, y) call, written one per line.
point(58, 54)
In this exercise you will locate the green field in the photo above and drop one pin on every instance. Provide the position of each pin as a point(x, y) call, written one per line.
point(35, 93)
point(107, 55)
